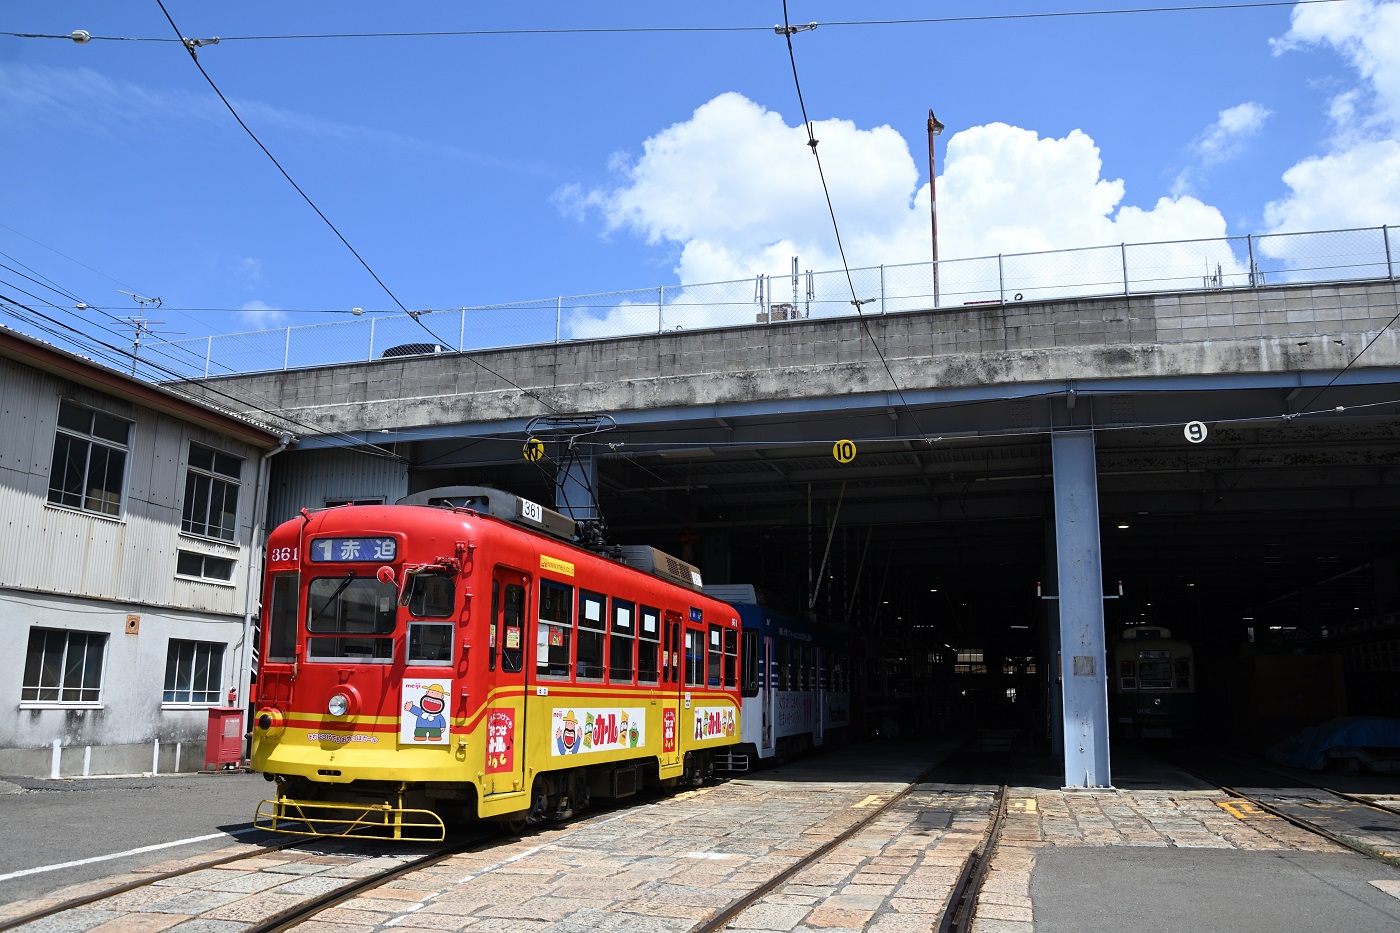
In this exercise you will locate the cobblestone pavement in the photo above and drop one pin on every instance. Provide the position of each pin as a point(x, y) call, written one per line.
point(669, 866)
point(221, 899)
point(1037, 818)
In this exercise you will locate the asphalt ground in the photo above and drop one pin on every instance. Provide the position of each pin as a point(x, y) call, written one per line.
point(47, 823)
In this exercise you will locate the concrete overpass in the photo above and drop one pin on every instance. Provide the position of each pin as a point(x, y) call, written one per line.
point(999, 445)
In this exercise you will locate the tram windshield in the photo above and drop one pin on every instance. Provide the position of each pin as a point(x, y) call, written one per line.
point(350, 617)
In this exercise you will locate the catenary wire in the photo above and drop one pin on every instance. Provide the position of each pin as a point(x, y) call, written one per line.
point(653, 30)
point(836, 228)
point(108, 352)
point(189, 47)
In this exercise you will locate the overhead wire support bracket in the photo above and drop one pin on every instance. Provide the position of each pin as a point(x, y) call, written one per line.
point(791, 30)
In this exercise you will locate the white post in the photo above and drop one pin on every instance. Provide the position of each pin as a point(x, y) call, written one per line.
point(287, 350)
point(57, 757)
point(660, 300)
point(177, 757)
point(558, 315)
point(155, 757)
point(87, 760)
point(208, 352)
point(371, 340)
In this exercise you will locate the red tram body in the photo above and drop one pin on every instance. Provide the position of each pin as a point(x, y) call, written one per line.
point(454, 656)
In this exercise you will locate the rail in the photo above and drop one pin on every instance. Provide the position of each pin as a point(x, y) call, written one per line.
point(1240, 262)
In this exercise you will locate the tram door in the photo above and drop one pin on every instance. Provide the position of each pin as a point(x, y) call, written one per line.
point(503, 770)
point(673, 718)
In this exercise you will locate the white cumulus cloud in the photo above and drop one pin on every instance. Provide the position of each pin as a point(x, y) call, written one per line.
point(1356, 182)
point(735, 190)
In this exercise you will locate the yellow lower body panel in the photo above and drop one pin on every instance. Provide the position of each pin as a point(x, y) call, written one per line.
point(349, 820)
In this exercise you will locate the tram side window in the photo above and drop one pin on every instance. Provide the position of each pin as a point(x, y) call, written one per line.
point(495, 625)
point(648, 645)
point(1183, 673)
point(513, 639)
point(715, 653)
point(429, 643)
point(748, 685)
point(622, 643)
point(784, 650)
point(592, 632)
point(282, 618)
point(350, 618)
point(731, 657)
point(432, 596)
point(809, 661)
point(556, 628)
point(694, 657)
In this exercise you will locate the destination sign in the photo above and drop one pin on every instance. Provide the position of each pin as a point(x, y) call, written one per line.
point(349, 550)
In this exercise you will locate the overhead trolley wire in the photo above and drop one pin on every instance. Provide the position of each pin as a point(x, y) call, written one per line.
point(190, 46)
point(663, 30)
point(107, 352)
point(787, 31)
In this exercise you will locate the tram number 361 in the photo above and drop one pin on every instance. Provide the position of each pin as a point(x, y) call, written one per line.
point(282, 555)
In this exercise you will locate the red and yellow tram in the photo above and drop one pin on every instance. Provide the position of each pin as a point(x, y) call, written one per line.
point(456, 656)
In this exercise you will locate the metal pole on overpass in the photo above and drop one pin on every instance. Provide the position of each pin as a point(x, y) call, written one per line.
point(934, 128)
point(1080, 578)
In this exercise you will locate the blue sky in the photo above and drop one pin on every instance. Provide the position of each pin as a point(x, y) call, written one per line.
point(472, 170)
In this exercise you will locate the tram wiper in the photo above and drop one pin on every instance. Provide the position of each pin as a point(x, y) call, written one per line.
point(316, 616)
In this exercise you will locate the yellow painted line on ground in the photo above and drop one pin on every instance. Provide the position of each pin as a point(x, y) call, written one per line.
point(872, 799)
point(1023, 805)
point(1244, 810)
point(692, 793)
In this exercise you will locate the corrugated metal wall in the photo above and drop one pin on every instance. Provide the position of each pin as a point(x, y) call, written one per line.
point(307, 479)
point(131, 557)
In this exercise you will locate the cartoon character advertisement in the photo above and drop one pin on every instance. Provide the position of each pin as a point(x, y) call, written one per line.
point(597, 730)
point(424, 717)
point(500, 741)
point(668, 731)
point(713, 722)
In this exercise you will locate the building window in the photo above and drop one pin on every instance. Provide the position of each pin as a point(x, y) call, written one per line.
point(372, 500)
point(211, 494)
point(194, 672)
point(63, 667)
point(89, 460)
point(204, 566)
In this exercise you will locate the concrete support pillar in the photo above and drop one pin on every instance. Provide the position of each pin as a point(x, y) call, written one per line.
point(1080, 584)
point(1050, 648)
point(574, 486)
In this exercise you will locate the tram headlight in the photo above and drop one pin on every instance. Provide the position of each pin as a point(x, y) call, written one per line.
point(339, 705)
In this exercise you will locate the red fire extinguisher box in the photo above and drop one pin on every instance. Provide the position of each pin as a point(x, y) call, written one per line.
point(223, 747)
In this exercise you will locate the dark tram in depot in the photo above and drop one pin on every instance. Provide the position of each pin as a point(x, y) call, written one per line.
point(455, 657)
point(795, 683)
point(1152, 683)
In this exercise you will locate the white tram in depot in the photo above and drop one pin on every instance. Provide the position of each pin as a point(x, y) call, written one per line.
point(795, 683)
point(1152, 683)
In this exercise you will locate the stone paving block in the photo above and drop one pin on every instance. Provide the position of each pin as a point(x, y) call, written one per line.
point(829, 915)
point(138, 923)
point(72, 921)
point(771, 917)
point(195, 903)
point(904, 923)
point(253, 909)
point(201, 925)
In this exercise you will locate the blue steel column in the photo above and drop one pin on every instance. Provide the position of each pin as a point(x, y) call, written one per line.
point(573, 488)
point(1080, 577)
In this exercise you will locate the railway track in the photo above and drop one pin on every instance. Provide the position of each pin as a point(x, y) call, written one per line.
point(668, 866)
point(1353, 821)
point(334, 865)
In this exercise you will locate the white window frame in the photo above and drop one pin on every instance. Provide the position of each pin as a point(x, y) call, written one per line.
point(194, 476)
point(196, 647)
point(201, 577)
point(63, 667)
point(92, 440)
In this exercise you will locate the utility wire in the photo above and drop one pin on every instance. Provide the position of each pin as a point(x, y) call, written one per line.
point(653, 30)
point(194, 57)
point(788, 31)
point(108, 352)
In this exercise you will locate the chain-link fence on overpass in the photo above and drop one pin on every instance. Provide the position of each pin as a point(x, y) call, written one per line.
point(1125, 269)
